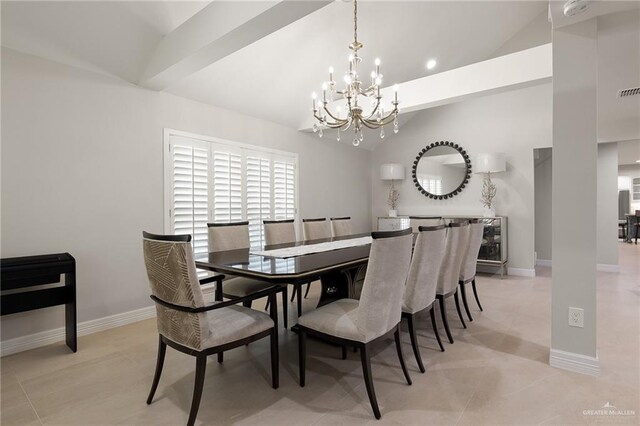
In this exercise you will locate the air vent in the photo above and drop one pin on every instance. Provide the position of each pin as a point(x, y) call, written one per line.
point(629, 92)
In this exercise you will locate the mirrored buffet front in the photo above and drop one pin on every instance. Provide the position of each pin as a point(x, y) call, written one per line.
point(493, 251)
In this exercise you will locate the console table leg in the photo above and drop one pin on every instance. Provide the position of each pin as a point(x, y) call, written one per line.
point(70, 315)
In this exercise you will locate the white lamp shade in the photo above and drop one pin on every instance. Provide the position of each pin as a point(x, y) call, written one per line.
point(490, 163)
point(392, 171)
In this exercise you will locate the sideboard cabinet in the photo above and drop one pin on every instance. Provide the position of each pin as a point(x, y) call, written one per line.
point(493, 251)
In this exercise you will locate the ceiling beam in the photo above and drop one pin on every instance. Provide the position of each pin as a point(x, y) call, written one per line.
point(517, 70)
point(216, 31)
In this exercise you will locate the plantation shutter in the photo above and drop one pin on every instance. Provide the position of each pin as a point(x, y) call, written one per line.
point(189, 210)
point(227, 187)
point(284, 178)
point(258, 178)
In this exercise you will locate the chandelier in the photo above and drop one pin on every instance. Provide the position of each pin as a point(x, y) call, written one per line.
point(354, 92)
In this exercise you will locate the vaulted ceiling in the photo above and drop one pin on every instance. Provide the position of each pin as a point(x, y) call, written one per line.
point(269, 65)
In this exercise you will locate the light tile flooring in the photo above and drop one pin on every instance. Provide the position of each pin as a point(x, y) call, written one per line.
point(495, 373)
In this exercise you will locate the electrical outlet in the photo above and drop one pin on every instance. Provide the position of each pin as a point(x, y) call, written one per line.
point(576, 317)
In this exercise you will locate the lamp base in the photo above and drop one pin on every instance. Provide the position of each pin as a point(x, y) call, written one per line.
point(393, 213)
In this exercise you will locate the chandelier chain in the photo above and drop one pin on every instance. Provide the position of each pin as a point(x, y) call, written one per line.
point(355, 22)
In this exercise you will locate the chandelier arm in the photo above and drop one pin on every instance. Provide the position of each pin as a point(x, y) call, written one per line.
point(331, 115)
point(374, 109)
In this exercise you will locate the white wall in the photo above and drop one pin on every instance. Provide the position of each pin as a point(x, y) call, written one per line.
point(543, 229)
point(513, 123)
point(607, 213)
point(82, 172)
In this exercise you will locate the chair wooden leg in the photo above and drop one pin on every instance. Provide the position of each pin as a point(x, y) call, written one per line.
point(368, 380)
point(306, 293)
point(475, 293)
point(299, 299)
point(414, 342)
point(302, 355)
point(220, 357)
point(432, 312)
point(285, 307)
point(293, 294)
point(344, 352)
point(463, 293)
point(162, 349)
point(443, 313)
point(396, 336)
point(457, 299)
point(201, 367)
point(247, 303)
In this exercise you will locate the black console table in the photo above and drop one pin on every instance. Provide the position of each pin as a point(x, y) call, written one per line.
point(22, 279)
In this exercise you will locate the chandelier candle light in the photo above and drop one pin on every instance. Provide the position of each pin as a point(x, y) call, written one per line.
point(354, 89)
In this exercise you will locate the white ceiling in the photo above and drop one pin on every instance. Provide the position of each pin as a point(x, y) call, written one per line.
point(273, 77)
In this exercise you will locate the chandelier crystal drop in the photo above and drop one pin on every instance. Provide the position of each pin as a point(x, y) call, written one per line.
point(353, 97)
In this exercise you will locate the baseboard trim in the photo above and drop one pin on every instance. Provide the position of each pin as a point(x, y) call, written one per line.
point(521, 272)
point(603, 267)
point(43, 338)
point(577, 363)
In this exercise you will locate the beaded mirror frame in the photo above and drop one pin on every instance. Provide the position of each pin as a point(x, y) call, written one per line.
point(460, 187)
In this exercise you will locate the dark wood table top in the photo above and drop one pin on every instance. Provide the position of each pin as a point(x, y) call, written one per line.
point(291, 270)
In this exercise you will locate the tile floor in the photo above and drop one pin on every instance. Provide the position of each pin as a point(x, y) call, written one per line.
point(495, 373)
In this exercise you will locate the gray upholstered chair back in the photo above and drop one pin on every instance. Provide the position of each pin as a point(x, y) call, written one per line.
point(476, 232)
point(341, 226)
point(457, 235)
point(315, 229)
point(173, 279)
point(279, 232)
point(228, 236)
point(381, 300)
point(418, 221)
point(425, 267)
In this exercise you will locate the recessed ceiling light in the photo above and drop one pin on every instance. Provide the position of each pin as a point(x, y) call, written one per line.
point(637, 161)
point(431, 64)
point(575, 7)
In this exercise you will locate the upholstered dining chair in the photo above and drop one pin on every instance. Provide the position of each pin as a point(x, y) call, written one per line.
point(191, 326)
point(418, 221)
point(225, 236)
point(282, 232)
point(468, 270)
point(315, 229)
point(457, 235)
point(279, 232)
point(341, 226)
point(420, 292)
point(360, 324)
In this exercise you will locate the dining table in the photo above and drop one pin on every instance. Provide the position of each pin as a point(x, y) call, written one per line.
point(340, 266)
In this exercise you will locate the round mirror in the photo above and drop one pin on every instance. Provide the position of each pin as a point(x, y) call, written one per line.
point(441, 170)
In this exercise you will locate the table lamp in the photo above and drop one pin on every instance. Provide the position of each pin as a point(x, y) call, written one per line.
point(487, 164)
point(392, 172)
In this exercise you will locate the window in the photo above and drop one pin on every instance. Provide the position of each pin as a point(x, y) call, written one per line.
point(209, 180)
point(432, 184)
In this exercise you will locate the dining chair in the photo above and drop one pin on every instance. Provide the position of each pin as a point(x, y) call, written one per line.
point(420, 291)
point(360, 324)
point(224, 236)
point(279, 232)
point(457, 235)
point(282, 232)
point(191, 326)
point(341, 226)
point(315, 229)
point(470, 262)
point(418, 221)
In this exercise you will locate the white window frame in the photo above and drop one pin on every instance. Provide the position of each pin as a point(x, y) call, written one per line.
point(203, 141)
